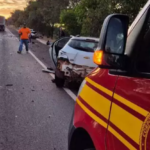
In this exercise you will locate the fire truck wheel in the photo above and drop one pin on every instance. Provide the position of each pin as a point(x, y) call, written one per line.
point(81, 140)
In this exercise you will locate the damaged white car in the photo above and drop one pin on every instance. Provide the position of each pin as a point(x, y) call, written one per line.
point(72, 58)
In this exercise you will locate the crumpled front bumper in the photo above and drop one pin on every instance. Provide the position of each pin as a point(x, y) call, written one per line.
point(72, 70)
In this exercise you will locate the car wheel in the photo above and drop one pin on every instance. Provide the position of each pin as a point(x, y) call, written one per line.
point(59, 81)
point(59, 78)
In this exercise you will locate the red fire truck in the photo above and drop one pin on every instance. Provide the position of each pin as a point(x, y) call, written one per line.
point(112, 110)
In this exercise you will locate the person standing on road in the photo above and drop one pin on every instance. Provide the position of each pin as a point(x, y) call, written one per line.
point(24, 37)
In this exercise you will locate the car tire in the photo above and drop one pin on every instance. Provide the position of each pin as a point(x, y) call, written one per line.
point(59, 78)
point(59, 81)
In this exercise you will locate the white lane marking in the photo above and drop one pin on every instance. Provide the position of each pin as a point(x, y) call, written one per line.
point(71, 94)
point(37, 59)
point(68, 91)
point(52, 75)
point(41, 41)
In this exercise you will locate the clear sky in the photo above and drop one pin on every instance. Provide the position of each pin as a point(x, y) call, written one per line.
point(8, 6)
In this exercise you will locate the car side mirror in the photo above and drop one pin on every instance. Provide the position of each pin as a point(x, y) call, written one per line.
point(111, 47)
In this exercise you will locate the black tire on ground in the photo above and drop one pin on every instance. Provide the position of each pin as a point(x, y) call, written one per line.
point(59, 81)
point(81, 140)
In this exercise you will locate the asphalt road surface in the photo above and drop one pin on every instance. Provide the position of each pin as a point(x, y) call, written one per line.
point(34, 114)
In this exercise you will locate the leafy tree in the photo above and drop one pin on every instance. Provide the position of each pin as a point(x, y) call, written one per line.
point(83, 17)
point(89, 16)
point(129, 7)
point(69, 18)
point(40, 15)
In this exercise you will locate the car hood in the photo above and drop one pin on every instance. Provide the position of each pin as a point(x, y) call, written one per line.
point(77, 57)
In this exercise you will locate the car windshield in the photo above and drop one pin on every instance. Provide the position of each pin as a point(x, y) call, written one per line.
point(83, 45)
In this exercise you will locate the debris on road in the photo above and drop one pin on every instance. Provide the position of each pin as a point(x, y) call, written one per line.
point(9, 84)
point(48, 71)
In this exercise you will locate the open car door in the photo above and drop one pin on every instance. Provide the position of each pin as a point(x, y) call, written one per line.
point(55, 48)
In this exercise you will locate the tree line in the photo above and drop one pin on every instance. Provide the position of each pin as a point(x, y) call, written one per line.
point(84, 17)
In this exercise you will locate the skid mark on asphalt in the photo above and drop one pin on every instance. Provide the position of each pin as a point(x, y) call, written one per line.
point(68, 91)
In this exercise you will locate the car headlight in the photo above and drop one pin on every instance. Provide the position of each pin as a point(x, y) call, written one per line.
point(62, 54)
point(81, 86)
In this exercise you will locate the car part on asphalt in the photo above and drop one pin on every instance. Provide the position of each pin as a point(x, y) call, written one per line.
point(48, 71)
